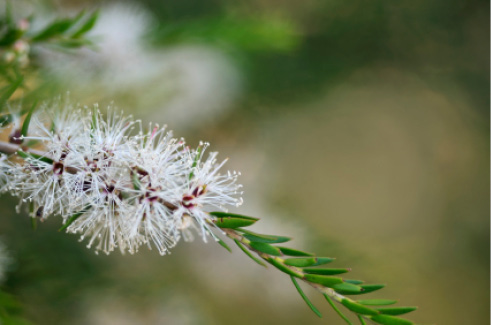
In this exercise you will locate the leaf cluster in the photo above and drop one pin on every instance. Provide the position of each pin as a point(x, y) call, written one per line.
point(309, 268)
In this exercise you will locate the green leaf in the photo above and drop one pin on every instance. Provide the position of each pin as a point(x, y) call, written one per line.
point(396, 310)
point(87, 26)
point(327, 281)
point(390, 320)
point(246, 251)
point(300, 262)
point(304, 297)
point(346, 288)
point(333, 305)
point(371, 287)
point(283, 268)
point(323, 260)
point(365, 288)
point(362, 321)
point(265, 248)
point(54, 29)
point(74, 217)
point(224, 245)
point(376, 302)
point(358, 308)
point(229, 220)
point(325, 271)
point(8, 91)
point(293, 252)
point(30, 155)
point(259, 238)
point(27, 120)
point(33, 223)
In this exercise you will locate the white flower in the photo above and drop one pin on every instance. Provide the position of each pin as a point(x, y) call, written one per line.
point(205, 188)
point(115, 189)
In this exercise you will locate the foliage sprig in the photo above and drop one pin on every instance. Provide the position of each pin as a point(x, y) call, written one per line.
point(308, 268)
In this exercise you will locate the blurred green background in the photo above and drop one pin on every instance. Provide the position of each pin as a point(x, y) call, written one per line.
point(361, 129)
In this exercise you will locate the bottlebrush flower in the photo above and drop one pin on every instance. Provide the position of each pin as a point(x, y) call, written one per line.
point(116, 187)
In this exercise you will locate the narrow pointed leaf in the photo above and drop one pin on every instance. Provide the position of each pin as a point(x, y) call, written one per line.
point(293, 252)
point(8, 91)
point(259, 238)
point(87, 26)
point(73, 218)
point(346, 288)
point(362, 321)
point(285, 269)
point(266, 248)
point(323, 260)
point(377, 302)
point(372, 287)
point(53, 29)
point(365, 288)
point(219, 214)
point(33, 223)
point(325, 271)
point(304, 297)
point(390, 320)
point(31, 214)
point(327, 281)
point(246, 251)
point(232, 221)
point(358, 308)
point(224, 245)
point(300, 262)
point(336, 309)
point(394, 311)
point(27, 120)
point(30, 155)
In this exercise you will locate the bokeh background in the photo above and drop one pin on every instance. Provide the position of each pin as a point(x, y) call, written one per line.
point(361, 129)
